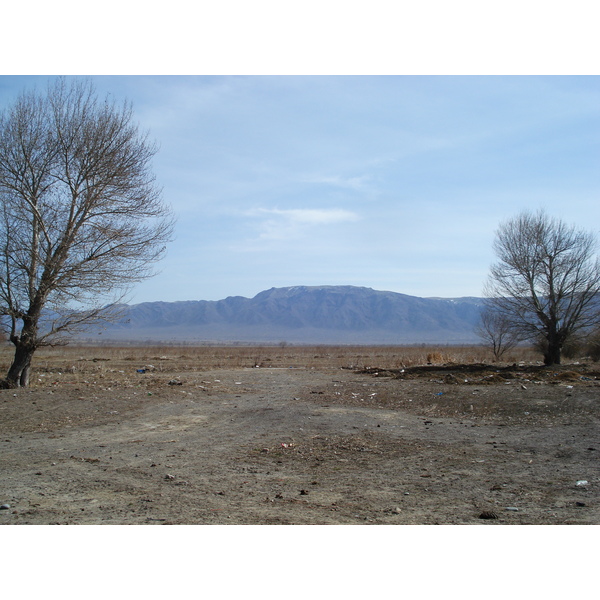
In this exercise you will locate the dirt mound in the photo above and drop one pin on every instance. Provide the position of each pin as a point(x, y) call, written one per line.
point(481, 373)
point(567, 376)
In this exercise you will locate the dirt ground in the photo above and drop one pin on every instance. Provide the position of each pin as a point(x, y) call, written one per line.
point(106, 439)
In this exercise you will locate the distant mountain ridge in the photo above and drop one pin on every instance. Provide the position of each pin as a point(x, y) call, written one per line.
point(305, 315)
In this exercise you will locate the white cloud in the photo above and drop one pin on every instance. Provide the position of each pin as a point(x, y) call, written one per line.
point(354, 183)
point(312, 216)
point(282, 224)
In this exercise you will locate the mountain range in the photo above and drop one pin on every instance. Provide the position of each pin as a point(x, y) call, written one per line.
point(301, 315)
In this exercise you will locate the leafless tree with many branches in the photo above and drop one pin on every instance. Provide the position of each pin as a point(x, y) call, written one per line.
point(545, 285)
point(81, 216)
point(495, 331)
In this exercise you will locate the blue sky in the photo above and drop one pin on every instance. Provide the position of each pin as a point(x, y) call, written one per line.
point(391, 182)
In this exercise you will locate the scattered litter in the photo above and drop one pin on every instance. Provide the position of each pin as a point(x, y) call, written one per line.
point(5, 507)
point(169, 477)
point(582, 483)
point(175, 382)
point(512, 508)
point(140, 370)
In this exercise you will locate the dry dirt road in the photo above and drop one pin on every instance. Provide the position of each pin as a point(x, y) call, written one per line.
point(304, 446)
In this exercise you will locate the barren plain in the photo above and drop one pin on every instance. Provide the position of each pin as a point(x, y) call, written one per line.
point(299, 435)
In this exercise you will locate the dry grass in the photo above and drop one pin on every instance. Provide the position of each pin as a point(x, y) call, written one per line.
point(80, 362)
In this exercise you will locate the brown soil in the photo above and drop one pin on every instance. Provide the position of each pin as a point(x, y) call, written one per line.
point(310, 444)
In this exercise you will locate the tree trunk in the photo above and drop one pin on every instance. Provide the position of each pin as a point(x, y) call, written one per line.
point(552, 354)
point(25, 345)
point(18, 374)
point(24, 379)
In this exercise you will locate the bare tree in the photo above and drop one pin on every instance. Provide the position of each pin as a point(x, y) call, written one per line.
point(496, 331)
point(546, 282)
point(81, 217)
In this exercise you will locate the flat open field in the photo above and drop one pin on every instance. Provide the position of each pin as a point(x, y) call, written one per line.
point(298, 435)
